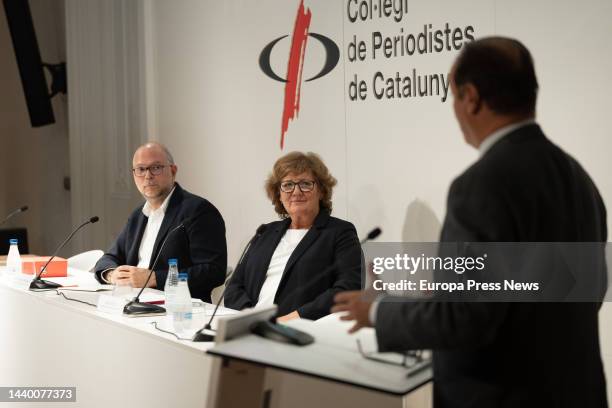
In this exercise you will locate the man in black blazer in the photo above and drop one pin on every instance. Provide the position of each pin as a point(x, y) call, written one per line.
point(199, 245)
point(523, 188)
point(307, 285)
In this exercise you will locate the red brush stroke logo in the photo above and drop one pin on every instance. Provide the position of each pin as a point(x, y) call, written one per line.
point(293, 79)
point(294, 68)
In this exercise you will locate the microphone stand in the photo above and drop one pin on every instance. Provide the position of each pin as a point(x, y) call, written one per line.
point(39, 284)
point(200, 336)
point(137, 308)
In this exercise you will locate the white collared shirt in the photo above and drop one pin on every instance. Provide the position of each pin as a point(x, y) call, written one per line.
point(156, 217)
point(496, 136)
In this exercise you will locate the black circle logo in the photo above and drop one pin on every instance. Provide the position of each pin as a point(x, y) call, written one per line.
point(332, 56)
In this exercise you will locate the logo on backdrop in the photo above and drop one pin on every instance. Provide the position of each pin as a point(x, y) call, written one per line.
point(293, 78)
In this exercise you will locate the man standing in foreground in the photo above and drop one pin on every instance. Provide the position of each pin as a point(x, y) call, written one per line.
point(199, 245)
point(522, 189)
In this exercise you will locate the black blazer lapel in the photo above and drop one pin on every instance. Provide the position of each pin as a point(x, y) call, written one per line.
point(266, 251)
point(169, 217)
point(132, 252)
point(310, 237)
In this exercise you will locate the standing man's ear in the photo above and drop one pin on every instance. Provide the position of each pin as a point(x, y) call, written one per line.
point(472, 97)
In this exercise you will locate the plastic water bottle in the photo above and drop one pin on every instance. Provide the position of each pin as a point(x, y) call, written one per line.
point(13, 260)
point(182, 314)
point(171, 286)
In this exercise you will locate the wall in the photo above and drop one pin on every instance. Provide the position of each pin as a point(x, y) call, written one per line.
point(35, 161)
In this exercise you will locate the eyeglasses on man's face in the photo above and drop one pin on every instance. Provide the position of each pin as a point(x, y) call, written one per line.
point(304, 185)
point(155, 170)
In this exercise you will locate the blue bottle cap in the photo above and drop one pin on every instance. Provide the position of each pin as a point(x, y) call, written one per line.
point(172, 261)
point(183, 276)
point(13, 241)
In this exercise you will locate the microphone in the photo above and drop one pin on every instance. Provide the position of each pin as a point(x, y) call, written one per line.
point(371, 235)
point(14, 213)
point(38, 284)
point(200, 336)
point(137, 308)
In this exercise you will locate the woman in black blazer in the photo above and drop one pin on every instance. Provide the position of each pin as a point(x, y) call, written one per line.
point(289, 264)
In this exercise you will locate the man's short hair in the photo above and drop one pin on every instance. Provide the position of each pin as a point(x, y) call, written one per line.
point(168, 154)
point(502, 71)
point(161, 146)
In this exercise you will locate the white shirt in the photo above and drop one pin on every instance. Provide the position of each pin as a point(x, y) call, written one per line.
point(496, 136)
point(279, 260)
point(156, 217)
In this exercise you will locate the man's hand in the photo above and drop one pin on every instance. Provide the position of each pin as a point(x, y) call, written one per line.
point(357, 305)
point(290, 316)
point(133, 276)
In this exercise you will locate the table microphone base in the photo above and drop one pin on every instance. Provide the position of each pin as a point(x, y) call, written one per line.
point(203, 335)
point(135, 308)
point(40, 284)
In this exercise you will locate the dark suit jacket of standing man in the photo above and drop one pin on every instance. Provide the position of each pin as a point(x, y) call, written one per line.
point(199, 247)
point(524, 188)
point(304, 285)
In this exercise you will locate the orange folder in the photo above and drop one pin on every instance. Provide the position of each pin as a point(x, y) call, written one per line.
point(56, 269)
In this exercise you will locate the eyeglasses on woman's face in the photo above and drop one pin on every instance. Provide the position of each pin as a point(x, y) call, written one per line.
point(288, 186)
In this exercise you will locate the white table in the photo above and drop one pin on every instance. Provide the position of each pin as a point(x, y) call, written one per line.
point(113, 361)
point(116, 361)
